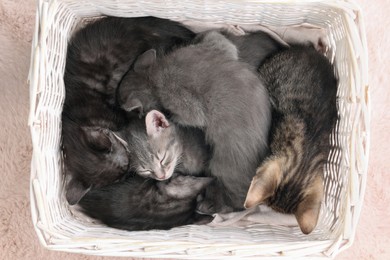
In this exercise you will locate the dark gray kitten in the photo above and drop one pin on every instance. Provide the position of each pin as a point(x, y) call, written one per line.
point(204, 85)
point(98, 56)
point(142, 204)
point(93, 157)
point(302, 86)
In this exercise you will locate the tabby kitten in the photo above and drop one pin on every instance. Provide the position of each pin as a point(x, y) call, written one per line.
point(142, 204)
point(97, 58)
point(204, 85)
point(302, 87)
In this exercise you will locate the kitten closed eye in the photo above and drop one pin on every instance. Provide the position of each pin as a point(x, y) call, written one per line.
point(166, 163)
point(146, 172)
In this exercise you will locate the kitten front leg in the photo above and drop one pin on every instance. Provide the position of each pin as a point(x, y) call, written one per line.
point(213, 201)
point(306, 33)
point(199, 27)
point(233, 180)
point(186, 111)
point(187, 119)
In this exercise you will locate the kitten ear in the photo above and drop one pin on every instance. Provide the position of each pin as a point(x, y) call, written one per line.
point(97, 137)
point(155, 123)
point(308, 209)
point(145, 60)
point(264, 184)
point(134, 105)
point(186, 187)
point(75, 191)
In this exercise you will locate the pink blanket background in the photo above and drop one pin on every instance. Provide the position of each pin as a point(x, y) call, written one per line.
point(17, 236)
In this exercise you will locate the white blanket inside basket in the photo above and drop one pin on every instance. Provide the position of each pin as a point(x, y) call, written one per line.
point(303, 33)
point(260, 214)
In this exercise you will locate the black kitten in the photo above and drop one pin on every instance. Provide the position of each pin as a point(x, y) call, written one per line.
point(142, 204)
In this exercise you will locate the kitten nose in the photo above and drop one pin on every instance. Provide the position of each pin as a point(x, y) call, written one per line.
point(160, 175)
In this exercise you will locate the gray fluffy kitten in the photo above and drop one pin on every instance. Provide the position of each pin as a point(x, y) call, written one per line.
point(159, 148)
point(204, 85)
point(134, 94)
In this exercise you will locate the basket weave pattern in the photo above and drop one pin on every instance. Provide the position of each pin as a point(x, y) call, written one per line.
point(345, 174)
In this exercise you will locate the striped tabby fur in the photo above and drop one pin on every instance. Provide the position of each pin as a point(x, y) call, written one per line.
point(302, 86)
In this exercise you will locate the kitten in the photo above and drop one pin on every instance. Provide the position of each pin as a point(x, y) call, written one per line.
point(302, 86)
point(204, 85)
point(97, 58)
point(142, 204)
point(158, 148)
point(93, 157)
point(134, 94)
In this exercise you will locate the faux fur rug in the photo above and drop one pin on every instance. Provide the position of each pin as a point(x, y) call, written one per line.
point(17, 236)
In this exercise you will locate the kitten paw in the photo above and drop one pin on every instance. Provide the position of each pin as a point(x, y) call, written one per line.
point(205, 207)
point(308, 34)
point(202, 219)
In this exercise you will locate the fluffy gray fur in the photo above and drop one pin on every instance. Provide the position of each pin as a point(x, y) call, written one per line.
point(172, 149)
point(204, 85)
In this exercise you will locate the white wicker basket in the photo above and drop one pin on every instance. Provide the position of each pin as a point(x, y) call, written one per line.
point(345, 174)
